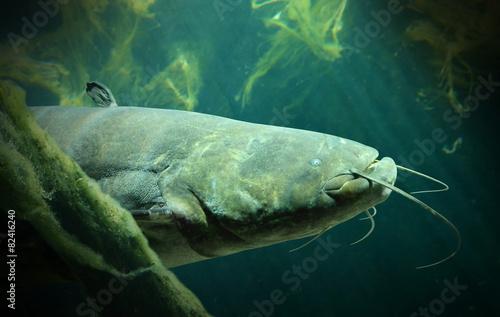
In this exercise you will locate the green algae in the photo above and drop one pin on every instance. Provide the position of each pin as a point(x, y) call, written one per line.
point(89, 230)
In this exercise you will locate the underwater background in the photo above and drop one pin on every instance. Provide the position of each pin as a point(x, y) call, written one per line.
point(417, 80)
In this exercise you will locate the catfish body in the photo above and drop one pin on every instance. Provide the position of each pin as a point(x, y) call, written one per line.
point(202, 186)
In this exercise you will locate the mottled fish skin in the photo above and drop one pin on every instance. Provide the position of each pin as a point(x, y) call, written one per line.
point(101, 94)
point(202, 186)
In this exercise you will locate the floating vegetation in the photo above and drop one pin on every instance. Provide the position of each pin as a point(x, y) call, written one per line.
point(179, 82)
point(28, 70)
point(141, 7)
point(457, 31)
point(109, 41)
point(454, 146)
point(302, 26)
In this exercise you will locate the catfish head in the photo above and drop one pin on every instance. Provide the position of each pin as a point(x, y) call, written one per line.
point(262, 185)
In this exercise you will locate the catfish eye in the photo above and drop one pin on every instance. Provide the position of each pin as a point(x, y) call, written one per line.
point(316, 162)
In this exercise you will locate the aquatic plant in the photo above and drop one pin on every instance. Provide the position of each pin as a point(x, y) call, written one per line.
point(302, 26)
point(179, 82)
point(457, 31)
point(105, 41)
point(29, 70)
point(90, 231)
point(141, 7)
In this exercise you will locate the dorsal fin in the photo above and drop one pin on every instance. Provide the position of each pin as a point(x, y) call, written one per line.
point(101, 94)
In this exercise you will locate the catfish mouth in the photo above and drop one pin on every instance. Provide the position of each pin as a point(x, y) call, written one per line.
point(349, 184)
